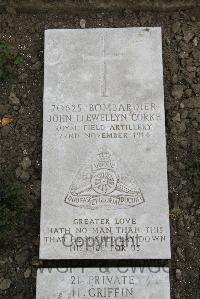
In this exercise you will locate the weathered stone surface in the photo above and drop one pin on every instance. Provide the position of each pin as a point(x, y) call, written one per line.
point(27, 273)
point(178, 274)
point(14, 99)
point(24, 176)
point(82, 23)
point(104, 156)
point(5, 284)
point(26, 163)
point(111, 283)
point(177, 91)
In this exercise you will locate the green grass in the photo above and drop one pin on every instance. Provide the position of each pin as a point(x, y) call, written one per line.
point(12, 206)
point(9, 60)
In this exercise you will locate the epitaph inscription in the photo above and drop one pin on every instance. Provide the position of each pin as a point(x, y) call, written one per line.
point(104, 177)
point(121, 283)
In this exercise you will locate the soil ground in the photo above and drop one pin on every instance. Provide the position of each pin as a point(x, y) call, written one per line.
point(22, 140)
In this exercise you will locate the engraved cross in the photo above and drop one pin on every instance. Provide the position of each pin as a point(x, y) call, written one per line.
point(103, 60)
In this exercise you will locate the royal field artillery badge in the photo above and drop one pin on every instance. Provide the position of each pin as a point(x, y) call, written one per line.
point(101, 181)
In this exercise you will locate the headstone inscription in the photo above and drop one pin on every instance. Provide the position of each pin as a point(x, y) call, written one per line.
point(121, 283)
point(104, 175)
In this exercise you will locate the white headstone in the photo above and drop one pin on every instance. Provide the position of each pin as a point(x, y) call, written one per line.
point(104, 174)
point(121, 283)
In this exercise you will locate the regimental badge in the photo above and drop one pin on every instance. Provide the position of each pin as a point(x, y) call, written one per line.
point(102, 181)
